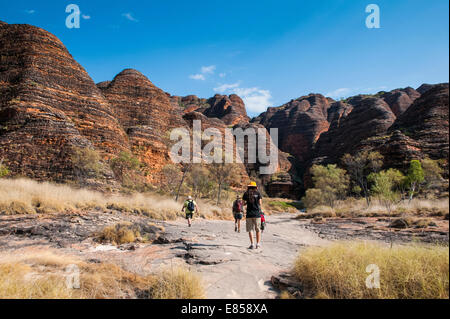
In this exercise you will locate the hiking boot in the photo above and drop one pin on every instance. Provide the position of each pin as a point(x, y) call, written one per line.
point(251, 246)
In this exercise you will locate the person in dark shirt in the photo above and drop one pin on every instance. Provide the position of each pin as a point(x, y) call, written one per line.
point(253, 200)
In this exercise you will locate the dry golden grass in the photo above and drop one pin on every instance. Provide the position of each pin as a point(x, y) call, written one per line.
point(119, 234)
point(357, 208)
point(24, 196)
point(42, 275)
point(286, 295)
point(339, 271)
point(280, 205)
point(318, 212)
point(177, 283)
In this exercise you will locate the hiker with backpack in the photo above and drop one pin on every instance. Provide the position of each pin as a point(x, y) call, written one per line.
point(189, 207)
point(238, 213)
point(253, 200)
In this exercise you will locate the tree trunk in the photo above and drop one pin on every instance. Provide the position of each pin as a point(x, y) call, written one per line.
point(411, 193)
point(366, 193)
point(218, 193)
point(179, 186)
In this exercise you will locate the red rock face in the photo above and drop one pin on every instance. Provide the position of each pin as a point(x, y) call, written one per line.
point(146, 114)
point(426, 122)
point(363, 118)
point(206, 123)
point(300, 123)
point(400, 100)
point(421, 131)
point(229, 109)
point(49, 104)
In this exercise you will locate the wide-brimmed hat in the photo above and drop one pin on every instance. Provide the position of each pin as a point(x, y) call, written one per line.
point(252, 184)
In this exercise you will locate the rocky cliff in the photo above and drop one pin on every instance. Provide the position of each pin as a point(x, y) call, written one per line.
point(146, 114)
point(48, 106)
point(402, 124)
point(230, 109)
point(300, 123)
point(366, 117)
point(421, 131)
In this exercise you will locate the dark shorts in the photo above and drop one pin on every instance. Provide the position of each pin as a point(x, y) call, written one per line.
point(189, 215)
point(238, 216)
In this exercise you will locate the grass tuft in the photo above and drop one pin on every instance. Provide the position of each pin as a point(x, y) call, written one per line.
point(338, 271)
point(42, 275)
point(177, 283)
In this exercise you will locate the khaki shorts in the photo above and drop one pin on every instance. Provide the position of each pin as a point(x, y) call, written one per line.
point(253, 224)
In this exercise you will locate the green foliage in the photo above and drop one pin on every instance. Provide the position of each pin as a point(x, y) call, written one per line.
point(331, 181)
point(200, 182)
point(126, 167)
point(414, 178)
point(432, 171)
point(87, 162)
point(313, 198)
point(360, 166)
point(356, 190)
point(386, 185)
point(223, 174)
point(4, 171)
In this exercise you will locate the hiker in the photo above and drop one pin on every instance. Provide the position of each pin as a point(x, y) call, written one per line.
point(253, 200)
point(238, 210)
point(189, 207)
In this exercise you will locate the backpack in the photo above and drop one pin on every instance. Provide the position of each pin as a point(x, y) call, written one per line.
point(237, 207)
point(191, 206)
point(252, 197)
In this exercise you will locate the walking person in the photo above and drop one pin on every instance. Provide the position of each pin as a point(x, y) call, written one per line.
point(238, 213)
point(189, 207)
point(253, 200)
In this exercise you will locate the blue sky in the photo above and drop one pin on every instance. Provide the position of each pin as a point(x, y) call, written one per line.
point(269, 52)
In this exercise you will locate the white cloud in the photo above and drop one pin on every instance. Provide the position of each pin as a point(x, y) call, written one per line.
point(256, 100)
point(129, 16)
point(225, 87)
point(200, 77)
point(346, 92)
point(222, 75)
point(86, 17)
point(30, 11)
point(208, 69)
point(339, 93)
point(204, 71)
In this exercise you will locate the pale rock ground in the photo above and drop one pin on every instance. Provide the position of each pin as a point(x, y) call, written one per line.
point(234, 271)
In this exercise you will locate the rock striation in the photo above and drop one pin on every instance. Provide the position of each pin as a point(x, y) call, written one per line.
point(230, 109)
point(146, 114)
point(300, 123)
point(48, 106)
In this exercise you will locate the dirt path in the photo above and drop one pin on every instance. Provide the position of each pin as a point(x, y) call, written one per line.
point(231, 270)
